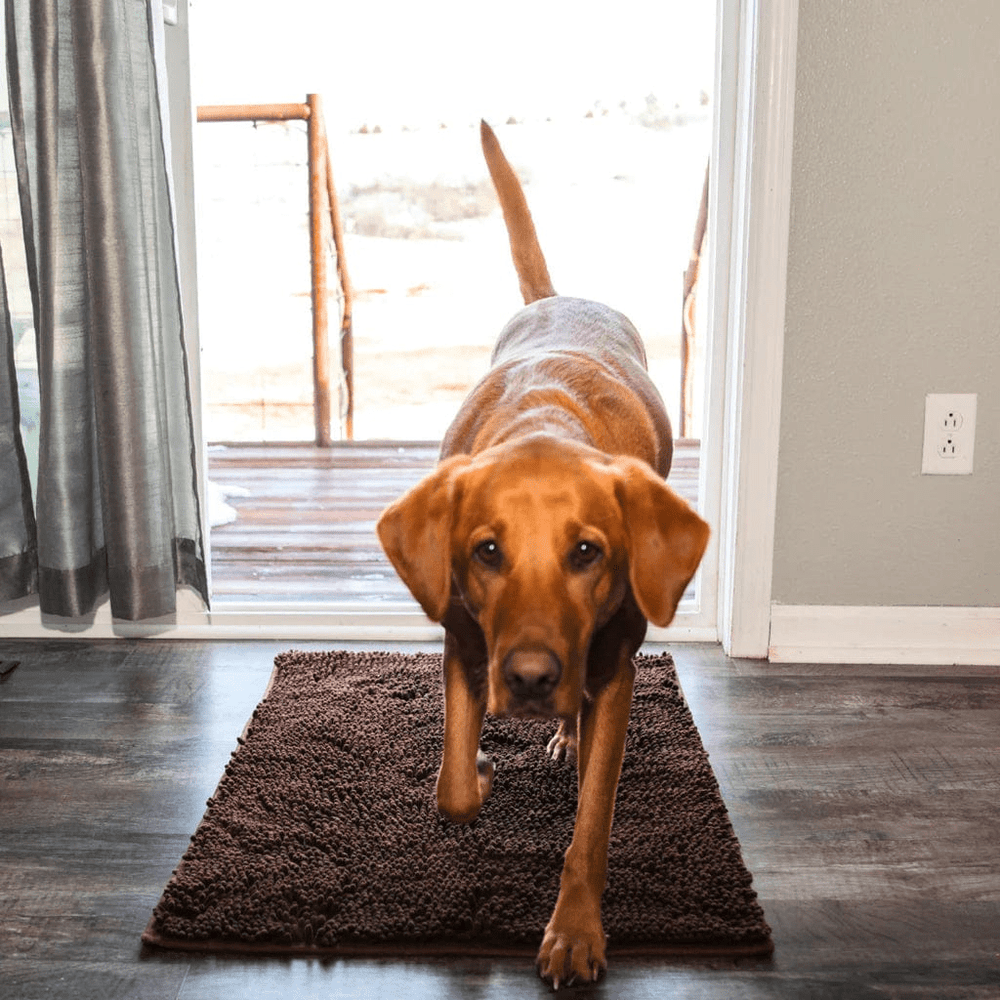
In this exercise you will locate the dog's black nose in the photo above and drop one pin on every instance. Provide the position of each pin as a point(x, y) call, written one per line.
point(531, 673)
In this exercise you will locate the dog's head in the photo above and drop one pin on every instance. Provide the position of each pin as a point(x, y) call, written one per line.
point(541, 539)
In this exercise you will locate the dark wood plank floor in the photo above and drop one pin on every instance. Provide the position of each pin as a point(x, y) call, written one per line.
point(866, 800)
point(305, 530)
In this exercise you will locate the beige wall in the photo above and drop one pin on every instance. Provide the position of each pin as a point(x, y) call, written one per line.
point(893, 292)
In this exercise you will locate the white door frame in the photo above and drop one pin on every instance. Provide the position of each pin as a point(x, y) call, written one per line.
point(749, 213)
point(750, 316)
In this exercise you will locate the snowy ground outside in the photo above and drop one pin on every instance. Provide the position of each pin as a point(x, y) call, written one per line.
point(614, 196)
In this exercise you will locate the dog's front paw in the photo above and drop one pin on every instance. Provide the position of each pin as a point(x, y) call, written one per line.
point(459, 798)
point(572, 951)
point(485, 769)
point(563, 744)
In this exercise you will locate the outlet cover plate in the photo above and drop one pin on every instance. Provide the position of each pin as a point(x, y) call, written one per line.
point(949, 433)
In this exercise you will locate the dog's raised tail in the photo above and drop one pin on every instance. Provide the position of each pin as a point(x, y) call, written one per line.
point(524, 248)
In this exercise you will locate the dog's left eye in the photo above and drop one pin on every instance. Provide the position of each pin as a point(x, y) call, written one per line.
point(584, 554)
point(489, 553)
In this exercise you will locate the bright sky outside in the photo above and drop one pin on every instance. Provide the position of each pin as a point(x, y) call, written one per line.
point(393, 63)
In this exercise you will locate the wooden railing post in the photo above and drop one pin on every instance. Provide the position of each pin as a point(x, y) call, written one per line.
point(690, 281)
point(346, 322)
point(324, 209)
point(322, 410)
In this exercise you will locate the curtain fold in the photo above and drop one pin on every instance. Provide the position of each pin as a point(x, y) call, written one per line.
point(117, 502)
point(18, 549)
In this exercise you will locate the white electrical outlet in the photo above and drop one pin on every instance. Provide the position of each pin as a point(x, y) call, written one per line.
point(949, 433)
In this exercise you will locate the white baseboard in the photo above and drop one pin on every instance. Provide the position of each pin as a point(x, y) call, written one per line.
point(908, 635)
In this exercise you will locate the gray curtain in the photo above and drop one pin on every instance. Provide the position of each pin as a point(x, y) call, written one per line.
point(117, 504)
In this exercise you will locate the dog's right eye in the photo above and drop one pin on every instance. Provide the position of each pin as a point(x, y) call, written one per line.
point(584, 554)
point(488, 553)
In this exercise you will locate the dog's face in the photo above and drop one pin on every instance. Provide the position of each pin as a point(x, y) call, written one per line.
point(541, 538)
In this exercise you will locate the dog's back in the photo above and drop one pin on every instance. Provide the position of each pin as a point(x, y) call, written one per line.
point(571, 365)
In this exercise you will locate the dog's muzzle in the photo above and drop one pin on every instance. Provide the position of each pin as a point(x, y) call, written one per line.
point(531, 675)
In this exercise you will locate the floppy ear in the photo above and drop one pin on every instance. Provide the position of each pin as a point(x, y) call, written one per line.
point(415, 532)
point(666, 539)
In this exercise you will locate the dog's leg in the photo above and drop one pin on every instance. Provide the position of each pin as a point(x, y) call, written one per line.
point(466, 776)
point(573, 945)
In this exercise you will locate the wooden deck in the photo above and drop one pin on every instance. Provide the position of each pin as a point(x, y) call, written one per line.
point(305, 526)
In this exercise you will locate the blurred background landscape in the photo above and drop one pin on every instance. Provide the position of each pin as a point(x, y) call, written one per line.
point(604, 112)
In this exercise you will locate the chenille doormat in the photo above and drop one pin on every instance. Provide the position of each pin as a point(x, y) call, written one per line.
point(322, 837)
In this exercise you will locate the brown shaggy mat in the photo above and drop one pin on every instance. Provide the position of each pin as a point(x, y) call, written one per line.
point(323, 839)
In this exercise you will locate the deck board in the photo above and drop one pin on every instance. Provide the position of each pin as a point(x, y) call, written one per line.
point(305, 525)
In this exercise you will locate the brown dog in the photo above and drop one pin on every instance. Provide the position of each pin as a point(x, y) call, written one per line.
point(543, 542)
